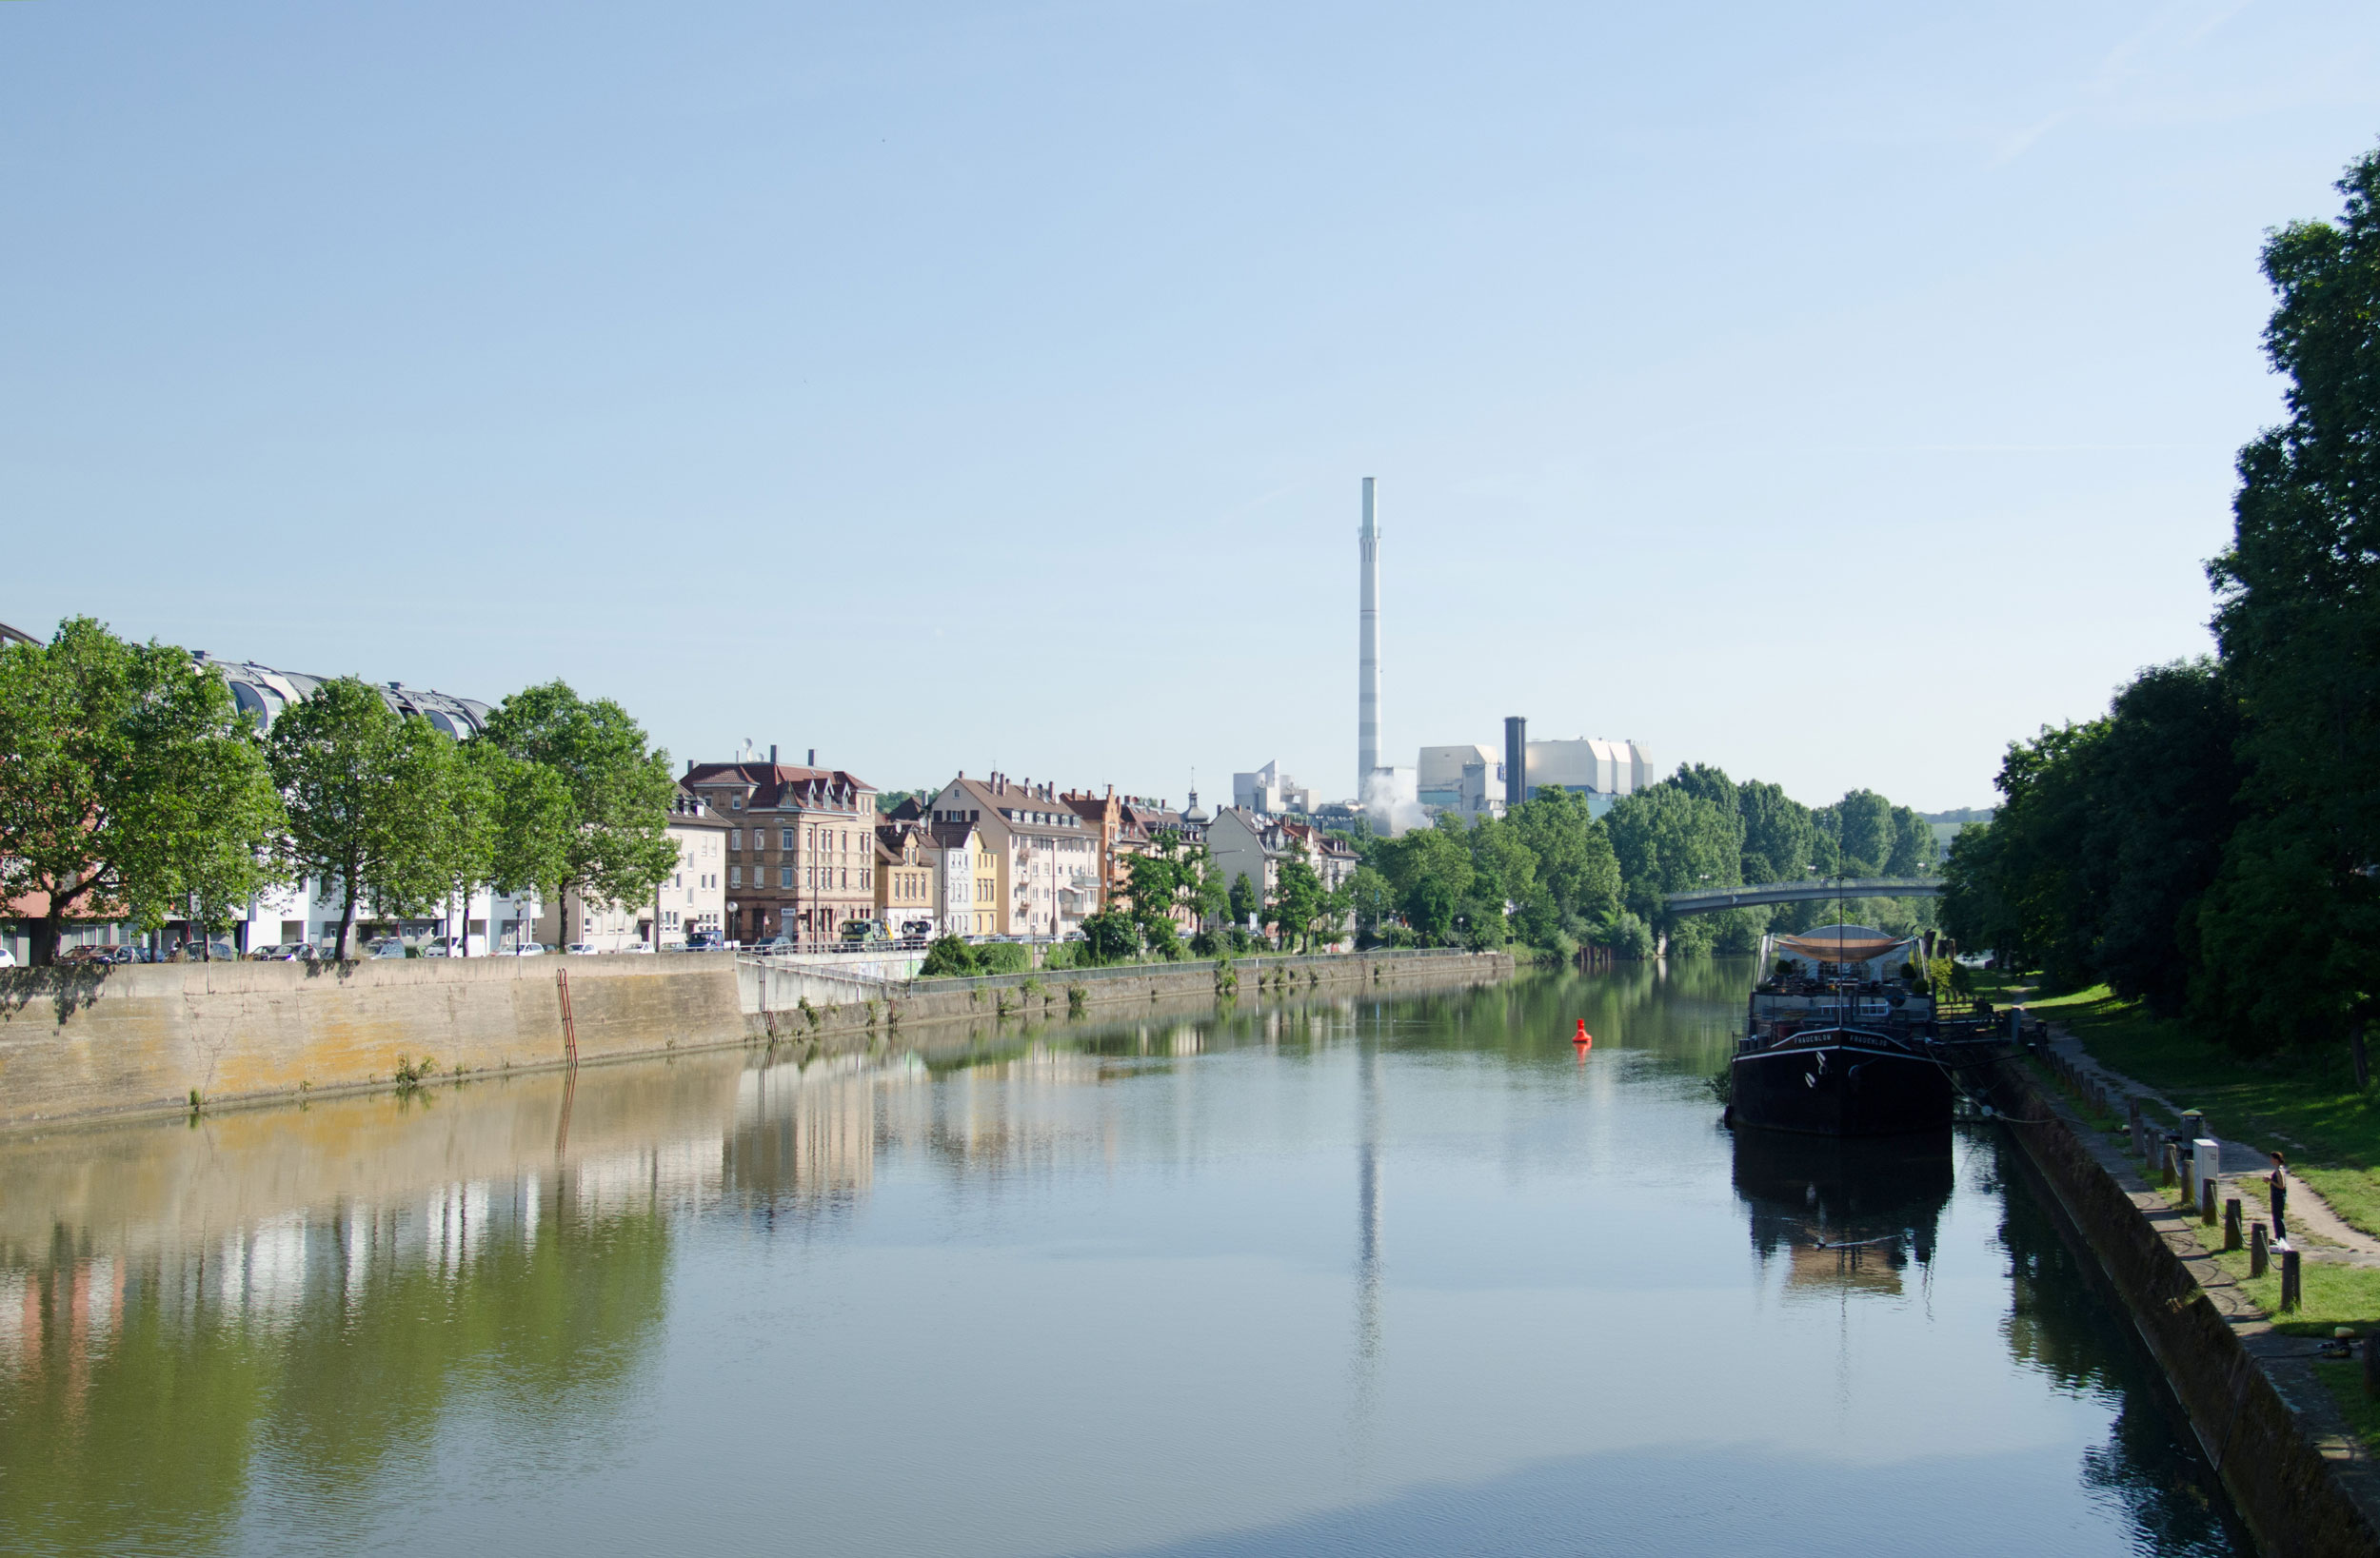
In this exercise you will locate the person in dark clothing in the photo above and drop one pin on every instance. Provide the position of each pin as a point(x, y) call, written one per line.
point(2280, 1197)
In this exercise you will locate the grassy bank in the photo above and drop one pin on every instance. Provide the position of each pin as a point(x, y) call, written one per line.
point(2308, 1106)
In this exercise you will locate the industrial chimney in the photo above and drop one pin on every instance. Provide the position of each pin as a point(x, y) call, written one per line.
point(1368, 654)
point(1516, 760)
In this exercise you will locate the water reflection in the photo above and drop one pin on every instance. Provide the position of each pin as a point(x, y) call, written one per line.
point(1147, 1259)
point(1843, 1213)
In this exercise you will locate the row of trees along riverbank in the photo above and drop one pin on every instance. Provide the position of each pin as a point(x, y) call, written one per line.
point(1550, 876)
point(133, 787)
point(2210, 845)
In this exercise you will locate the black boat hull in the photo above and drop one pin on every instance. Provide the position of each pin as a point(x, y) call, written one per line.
point(1848, 1086)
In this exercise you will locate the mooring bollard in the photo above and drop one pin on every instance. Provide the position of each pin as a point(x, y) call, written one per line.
point(2172, 1163)
point(2258, 1255)
point(2206, 1201)
point(2148, 1140)
point(2292, 1294)
point(2372, 1367)
point(2231, 1223)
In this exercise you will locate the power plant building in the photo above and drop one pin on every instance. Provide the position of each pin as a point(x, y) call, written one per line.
point(1601, 770)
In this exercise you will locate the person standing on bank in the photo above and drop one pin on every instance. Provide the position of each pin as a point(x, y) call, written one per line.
point(2280, 1197)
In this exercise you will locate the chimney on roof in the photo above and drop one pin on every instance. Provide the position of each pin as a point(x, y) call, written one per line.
point(813, 757)
point(772, 753)
point(689, 768)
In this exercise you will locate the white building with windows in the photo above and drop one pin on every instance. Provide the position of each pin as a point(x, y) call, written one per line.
point(1046, 860)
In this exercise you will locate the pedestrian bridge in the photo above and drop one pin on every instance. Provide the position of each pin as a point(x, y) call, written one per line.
point(1711, 900)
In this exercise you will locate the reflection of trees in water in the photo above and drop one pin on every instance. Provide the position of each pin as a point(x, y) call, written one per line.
point(2057, 1324)
point(309, 1359)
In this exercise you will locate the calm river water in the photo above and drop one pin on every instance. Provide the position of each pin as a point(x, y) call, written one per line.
point(1399, 1277)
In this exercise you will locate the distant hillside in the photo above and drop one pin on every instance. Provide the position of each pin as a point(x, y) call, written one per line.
point(1963, 813)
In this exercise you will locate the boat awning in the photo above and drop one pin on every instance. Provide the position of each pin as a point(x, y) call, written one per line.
point(1844, 944)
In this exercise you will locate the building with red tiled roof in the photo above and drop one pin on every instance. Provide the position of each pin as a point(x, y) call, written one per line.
point(801, 846)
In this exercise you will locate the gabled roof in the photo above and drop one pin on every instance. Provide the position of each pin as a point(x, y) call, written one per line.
point(785, 786)
point(994, 798)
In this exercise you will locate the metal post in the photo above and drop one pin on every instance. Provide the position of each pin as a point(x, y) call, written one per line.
point(2172, 1163)
point(2231, 1223)
point(2205, 1200)
point(2258, 1253)
point(2292, 1294)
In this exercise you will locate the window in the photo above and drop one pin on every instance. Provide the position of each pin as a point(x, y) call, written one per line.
point(735, 839)
point(787, 841)
point(735, 804)
point(735, 876)
point(784, 875)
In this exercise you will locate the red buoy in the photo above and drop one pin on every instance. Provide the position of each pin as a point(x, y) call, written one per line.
point(1585, 1039)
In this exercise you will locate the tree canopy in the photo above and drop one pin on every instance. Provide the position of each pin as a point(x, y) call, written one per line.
point(130, 785)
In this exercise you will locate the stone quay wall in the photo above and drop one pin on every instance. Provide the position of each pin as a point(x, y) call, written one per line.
point(788, 1005)
point(2268, 1426)
point(139, 1038)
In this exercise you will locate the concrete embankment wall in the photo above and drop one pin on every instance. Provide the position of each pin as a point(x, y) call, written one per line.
point(792, 1003)
point(136, 1039)
point(2266, 1423)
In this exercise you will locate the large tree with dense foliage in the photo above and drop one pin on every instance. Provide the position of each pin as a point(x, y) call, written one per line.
point(1669, 840)
point(129, 784)
point(619, 850)
point(374, 800)
point(2291, 930)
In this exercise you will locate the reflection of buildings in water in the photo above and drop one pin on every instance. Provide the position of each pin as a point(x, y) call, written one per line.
point(807, 1134)
point(1029, 1112)
point(1873, 1202)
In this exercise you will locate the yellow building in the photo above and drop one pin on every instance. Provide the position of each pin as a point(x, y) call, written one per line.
point(905, 881)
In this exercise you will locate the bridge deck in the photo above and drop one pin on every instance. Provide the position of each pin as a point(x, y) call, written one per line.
point(1712, 900)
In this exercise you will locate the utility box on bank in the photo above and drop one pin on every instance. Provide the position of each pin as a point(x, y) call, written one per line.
point(2206, 1167)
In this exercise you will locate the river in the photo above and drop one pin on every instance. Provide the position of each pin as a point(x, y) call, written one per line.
point(1348, 1277)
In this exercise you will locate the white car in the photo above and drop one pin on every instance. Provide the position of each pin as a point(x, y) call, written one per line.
point(388, 946)
point(581, 948)
point(7, 958)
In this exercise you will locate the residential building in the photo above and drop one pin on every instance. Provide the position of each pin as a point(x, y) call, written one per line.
point(967, 878)
point(1048, 861)
point(801, 846)
point(1243, 842)
point(1126, 826)
point(695, 897)
point(1270, 792)
point(907, 878)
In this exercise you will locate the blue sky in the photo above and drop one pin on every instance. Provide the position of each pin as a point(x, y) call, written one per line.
point(1831, 393)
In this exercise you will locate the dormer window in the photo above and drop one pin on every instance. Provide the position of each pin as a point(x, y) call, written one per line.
point(735, 802)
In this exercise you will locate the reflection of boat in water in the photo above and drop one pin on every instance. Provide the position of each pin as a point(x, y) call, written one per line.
point(1844, 1039)
point(1846, 1213)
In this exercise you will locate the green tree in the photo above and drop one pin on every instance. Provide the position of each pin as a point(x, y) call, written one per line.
point(1430, 871)
point(2290, 933)
point(1668, 840)
point(366, 790)
point(1575, 868)
point(619, 850)
point(1371, 900)
point(1242, 900)
point(129, 784)
point(948, 955)
point(1864, 831)
point(1298, 901)
point(1110, 937)
point(1914, 852)
point(1781, 836)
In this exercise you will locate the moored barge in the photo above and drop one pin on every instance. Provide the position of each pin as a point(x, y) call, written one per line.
point(1844, 1038)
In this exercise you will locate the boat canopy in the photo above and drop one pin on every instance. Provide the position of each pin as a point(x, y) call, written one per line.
point(1846, 944)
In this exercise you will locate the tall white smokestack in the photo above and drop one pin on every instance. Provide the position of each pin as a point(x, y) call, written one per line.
point(1368, 661)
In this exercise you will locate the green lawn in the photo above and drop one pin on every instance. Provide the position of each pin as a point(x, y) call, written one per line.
point(2307, 1106)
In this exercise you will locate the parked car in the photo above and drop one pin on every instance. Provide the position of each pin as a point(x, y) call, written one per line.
point(704, 941)
point(777, 943)
point(436, 948)
point(7, 958)
point(286, 952)
point(386, 946)
point(581, 948)
point(526, 948)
